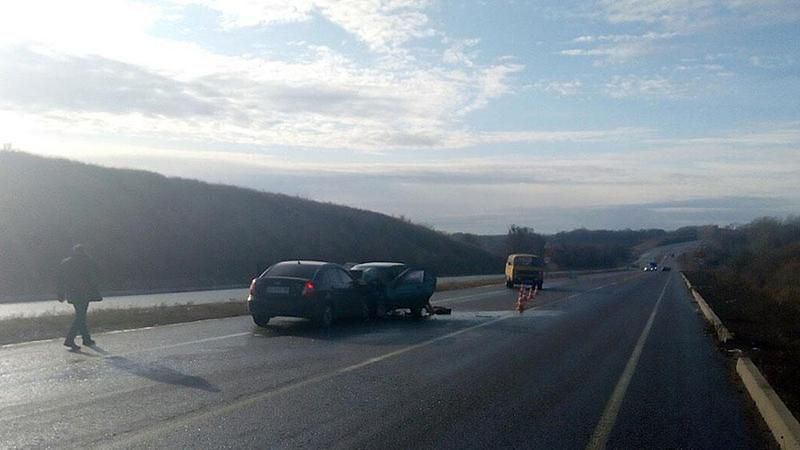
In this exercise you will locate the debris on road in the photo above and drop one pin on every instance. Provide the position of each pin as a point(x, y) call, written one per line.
point(440, 310)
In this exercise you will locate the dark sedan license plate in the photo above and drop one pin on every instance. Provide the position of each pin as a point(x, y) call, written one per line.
point(277, 289)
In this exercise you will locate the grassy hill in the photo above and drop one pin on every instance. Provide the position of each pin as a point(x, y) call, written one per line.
point(153, 232)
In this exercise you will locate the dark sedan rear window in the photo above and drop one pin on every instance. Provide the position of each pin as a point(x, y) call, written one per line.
point(295, 270)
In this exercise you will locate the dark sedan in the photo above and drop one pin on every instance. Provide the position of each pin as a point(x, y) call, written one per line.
point(314, 290)
point(394, 285)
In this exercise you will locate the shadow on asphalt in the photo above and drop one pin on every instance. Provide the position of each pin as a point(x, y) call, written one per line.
point(79, 351)
point(155, 372)
point(348, 328)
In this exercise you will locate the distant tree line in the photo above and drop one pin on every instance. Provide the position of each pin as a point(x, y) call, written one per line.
point(581, 248)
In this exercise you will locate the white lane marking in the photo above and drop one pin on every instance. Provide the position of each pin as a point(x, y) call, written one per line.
point(135, 436)
point(603, 429)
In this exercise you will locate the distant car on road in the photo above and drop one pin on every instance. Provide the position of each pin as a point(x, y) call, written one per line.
point(666, 269)
point(315, 290)
point(394, 285)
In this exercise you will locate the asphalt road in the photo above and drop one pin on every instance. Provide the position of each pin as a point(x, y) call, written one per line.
point(616, 360)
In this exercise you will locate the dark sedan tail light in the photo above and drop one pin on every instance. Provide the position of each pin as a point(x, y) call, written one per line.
point(253, 287)
point(308, 289)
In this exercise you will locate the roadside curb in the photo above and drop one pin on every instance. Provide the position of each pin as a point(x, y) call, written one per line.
point(779, 419)
point(783, 425)
point(723, 334)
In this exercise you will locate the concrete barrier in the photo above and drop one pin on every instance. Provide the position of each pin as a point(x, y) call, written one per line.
point(722, 332)
point(779, 419)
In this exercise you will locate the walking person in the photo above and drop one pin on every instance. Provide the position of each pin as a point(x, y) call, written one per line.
point(77, 284)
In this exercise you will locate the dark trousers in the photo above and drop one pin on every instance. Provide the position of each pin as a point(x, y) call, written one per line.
point(79, 323)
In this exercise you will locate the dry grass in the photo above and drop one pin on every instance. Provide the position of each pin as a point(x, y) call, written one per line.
point(48, 326)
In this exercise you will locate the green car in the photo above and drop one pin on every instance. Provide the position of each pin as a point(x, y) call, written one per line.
point(393, 285)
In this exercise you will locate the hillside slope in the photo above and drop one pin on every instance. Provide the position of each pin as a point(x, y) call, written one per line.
point(149, 231)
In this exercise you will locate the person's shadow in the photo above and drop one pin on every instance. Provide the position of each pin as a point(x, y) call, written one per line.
point(155, 372)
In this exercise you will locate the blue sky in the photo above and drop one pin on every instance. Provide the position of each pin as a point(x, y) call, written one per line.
point(466, 116)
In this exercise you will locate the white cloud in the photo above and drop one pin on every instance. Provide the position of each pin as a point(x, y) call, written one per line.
point(617, 48)
point(85, 24)
point(768, 136)
point(619, 53)
point(460, 52)
point(640, 87)
point(491, 83)
point(562, 88)
point(671, 13)
point(692, 15)
point(133, 84)
point(250, 13)
point(771, 61)
point(381, 24)
point(651, 36)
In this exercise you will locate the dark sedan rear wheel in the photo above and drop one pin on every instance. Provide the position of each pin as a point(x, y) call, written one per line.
point(365, 315)
point(261, 321)
point(326, 316)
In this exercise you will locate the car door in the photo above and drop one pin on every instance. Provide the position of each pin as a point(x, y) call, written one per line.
point(347, 299)
point(409, 288)
point(324, 284)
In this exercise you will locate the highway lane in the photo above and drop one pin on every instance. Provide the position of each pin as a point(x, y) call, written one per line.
point(484, 376)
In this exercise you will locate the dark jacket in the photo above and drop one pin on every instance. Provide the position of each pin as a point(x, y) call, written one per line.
point(77, 280)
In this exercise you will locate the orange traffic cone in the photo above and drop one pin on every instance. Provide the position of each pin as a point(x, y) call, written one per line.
point(526, 295)
point(521, 299)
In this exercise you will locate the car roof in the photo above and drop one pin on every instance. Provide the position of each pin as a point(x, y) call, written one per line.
point(378, 264)
point(304, 262)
